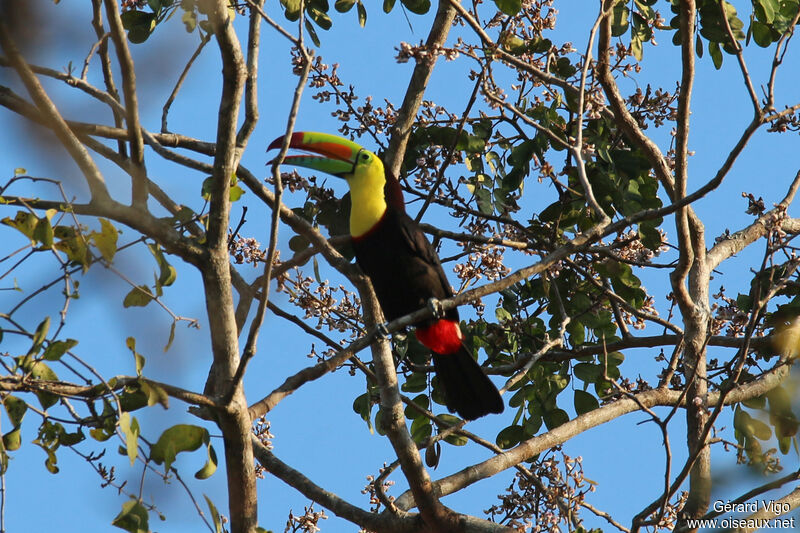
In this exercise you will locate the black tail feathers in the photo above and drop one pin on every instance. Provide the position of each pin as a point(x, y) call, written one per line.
point(469, 392)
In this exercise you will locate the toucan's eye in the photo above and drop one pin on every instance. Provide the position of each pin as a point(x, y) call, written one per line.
point(364, 157)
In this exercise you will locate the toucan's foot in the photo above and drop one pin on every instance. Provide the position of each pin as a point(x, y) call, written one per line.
point(436, 308)
point(383, 330)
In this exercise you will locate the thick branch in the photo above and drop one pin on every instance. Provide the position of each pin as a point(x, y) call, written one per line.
point(564, 432)
point(407, 115)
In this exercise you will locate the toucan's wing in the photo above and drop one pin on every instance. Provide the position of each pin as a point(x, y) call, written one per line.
point(422, 248)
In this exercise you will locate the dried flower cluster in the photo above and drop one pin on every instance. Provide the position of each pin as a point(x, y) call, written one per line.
point(247, 250)
point(291, 181)
point(375, 501)
point(637, 322)
point(261, 429)
point(133, 4)
point(484, 261)
point(356, 120)
point(423, 52)
point(653, 107)
point(787, 120)
point(671, 512)
point(727, 315)
point(629, 247)
point(526, 508)
point(305, 523)
point(319, 300)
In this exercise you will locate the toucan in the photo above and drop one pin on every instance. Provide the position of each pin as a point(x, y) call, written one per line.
point(403, 266)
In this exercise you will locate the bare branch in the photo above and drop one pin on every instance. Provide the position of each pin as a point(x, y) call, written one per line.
point(407, 114)
point(94, 177)
point(139, 196)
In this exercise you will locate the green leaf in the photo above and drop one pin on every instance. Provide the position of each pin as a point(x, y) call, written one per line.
point(210, 467)
point(139, 24)
point(744, 302)
point(298, 243)
point(422, 401)
point(23, 222)
point(292, 9)
point(502, 315)
point(762, 34)
point(73, 244)
point(138, 297)
point(454, 439)
point(619, 19)
point(12, 440)
point(100, 435)
point(138, 358)
point(416, 382)
point(716, 54)
point(39, 336)
point(510, 436)
point(785, 444)
point(585, 402)
point(155, 394)
point(214, 515)
point(588, 372)
point(43, 232)
point(759, 402)
point(106, 239)
point(71, 439)
point(130, 428)
point(312, 33)
point(554, 418)
point(177, 439)
point(509, 7)
point(636, 48)
point(420, 7)
point(421, 429)
point(171, 335)
point(132, 398)
point(343, 6)
point(388, 5)
point(167, 272)
point(363, 407)
point(133, 517)
point(484, 199)
point(362, 14)
point(15, 409)
point(51, 462)
point(189, 19)
point(234, 191)
point(56, 349)
point(41, 371)
point(765, 10)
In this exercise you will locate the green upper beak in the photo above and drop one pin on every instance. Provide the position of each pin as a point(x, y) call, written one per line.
point(337, 155)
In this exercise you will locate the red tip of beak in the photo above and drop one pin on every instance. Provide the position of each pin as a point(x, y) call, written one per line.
point(295, 142)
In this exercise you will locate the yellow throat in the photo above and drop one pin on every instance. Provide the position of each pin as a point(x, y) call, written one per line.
point(366, 195)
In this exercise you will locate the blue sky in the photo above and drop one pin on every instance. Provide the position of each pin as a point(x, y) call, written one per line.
point(315, 430)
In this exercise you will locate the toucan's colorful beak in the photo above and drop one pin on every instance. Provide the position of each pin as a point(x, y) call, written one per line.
point(337, 154)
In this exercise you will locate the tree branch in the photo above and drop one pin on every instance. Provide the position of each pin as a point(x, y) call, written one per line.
point(407, 114)
point(54, 120)
point(605, 413)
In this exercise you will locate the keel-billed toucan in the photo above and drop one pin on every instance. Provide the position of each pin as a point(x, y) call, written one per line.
point(403, 266)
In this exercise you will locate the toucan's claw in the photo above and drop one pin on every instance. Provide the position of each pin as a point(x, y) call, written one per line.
point(436, 308)
point(383, 330)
